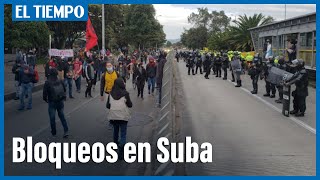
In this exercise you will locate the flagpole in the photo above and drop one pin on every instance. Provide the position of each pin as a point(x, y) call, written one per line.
point(103, 29)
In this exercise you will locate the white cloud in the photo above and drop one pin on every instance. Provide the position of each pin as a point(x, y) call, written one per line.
point(174, 17)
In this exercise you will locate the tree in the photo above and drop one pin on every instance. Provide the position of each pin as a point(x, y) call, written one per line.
point(241, 35)
point(24, 35)
point(202, 18)
point(141, 27)
point(219, 21)
point(195, 38)
point(169, 44)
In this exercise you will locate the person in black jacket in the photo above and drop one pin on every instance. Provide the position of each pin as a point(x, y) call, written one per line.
point(281, 65)
point(218, 64)
point(225, 65)
point(191, 64)
point(300, 79)
point(269, 86)
point(207, 66)
point(89, 72)
point(54, 94)
point(198, 63)
point(16, 68)
point(141, 78)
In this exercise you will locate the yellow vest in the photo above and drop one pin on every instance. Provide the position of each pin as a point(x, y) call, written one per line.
point(109, 81)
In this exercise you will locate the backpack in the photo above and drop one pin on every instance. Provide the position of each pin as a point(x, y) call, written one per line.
point(35, 78)
point(57, 91)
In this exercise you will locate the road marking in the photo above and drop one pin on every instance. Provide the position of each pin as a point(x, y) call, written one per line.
point(67, 114)
point(299, 122)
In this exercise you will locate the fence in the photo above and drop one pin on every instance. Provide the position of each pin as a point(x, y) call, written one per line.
point(165, 118)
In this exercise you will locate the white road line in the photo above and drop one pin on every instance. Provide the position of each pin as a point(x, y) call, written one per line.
point(299, 122)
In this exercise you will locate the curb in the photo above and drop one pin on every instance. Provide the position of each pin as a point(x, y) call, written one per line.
point(10, 96)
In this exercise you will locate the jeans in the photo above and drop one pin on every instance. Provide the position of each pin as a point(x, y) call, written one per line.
point(78, 83)
point(122, 126)
point(151, 83)
point(68, 82)
point(255, 83)
point(17, 86)
point(26, 89)
point(59, 107)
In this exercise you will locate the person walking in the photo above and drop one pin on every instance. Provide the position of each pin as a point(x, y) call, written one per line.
point(16, 68)
point(54, 93)
point(151, 74)
point(68, 76)
point(77, 68)
point(119, 114)
point(141, 75)
point(161, 62)
point(107, 80)
point(89, 72)
point(26, 74)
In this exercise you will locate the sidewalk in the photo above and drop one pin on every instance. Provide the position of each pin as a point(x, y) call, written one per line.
point(9, 88)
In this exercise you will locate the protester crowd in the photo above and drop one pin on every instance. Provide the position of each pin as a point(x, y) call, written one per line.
point(114, 73)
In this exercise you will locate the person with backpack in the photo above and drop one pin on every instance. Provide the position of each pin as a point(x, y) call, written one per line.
point(54, 93)
point(119, 114)
point(107, 80)
point(26, 77)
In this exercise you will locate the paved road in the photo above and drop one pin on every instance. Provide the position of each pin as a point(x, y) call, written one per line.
point(249, 136)
point(87, 123)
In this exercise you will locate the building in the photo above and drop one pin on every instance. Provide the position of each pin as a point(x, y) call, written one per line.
point(302, 29)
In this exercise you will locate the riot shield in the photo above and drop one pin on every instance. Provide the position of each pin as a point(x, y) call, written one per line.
point(286, 100)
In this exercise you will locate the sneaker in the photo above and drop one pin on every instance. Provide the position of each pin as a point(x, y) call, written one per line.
point(66, 135)
point(279, 101)
point(266, 95)
point(71, 97)
point(16, 98)
point(272, 96)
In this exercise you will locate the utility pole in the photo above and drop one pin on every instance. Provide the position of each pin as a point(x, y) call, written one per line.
point(103, 30)
point(285, 11)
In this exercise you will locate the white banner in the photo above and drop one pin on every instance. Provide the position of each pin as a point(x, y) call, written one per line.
point(58, 52)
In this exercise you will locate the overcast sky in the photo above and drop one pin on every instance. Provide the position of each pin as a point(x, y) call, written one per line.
point(174, 17)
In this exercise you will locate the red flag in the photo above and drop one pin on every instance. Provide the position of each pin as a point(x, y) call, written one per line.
point(92, 39)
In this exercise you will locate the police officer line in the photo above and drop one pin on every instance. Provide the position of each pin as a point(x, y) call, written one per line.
point(297, 121)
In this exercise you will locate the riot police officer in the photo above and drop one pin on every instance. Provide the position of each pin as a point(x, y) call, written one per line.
point(225, 65)
point(281, 65)
point(254, 72)
point(190, 64)
point(300, 79)
point(207, 65)
point(218, 64)
point(237, 68)
point(269, 86)
point(198, 63)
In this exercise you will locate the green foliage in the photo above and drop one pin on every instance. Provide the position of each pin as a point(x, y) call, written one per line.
point(141, 28)
point(24, 35)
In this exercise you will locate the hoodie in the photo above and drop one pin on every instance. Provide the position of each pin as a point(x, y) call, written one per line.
point(119, 102)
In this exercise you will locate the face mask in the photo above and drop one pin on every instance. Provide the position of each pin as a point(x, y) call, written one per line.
point(109, 69)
